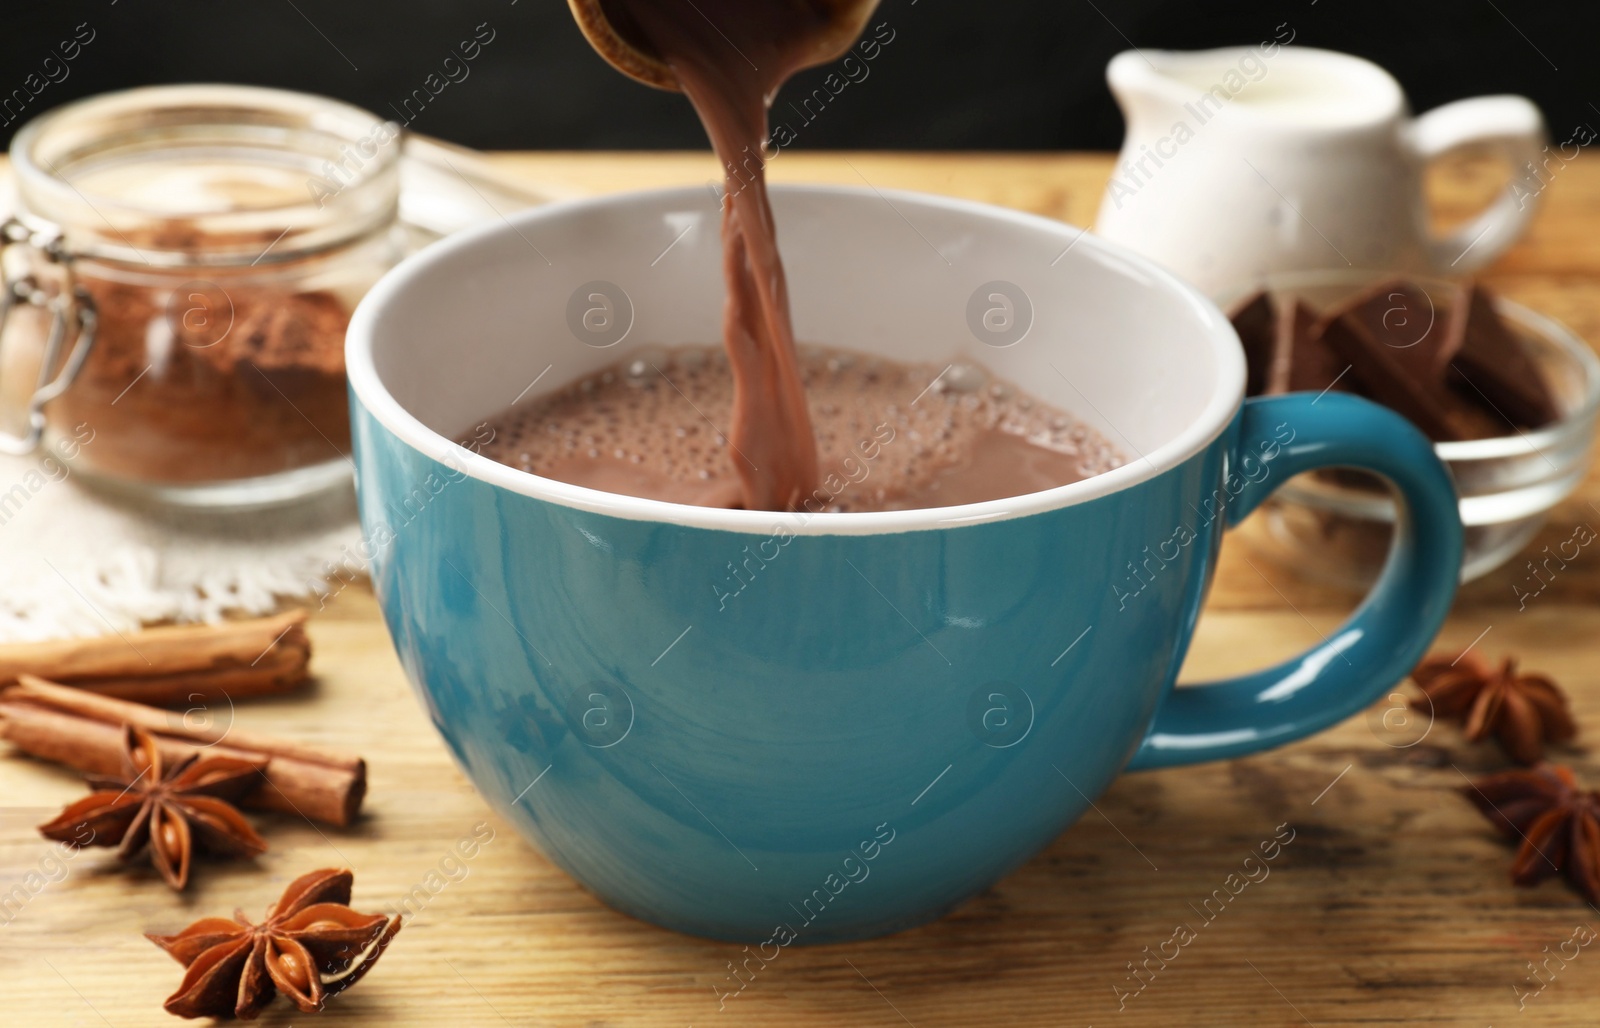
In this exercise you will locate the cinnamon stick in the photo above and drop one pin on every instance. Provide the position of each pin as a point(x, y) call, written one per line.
point(84, 731)
point(174, 664)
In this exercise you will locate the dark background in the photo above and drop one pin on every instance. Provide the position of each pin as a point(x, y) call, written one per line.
point(976, 74)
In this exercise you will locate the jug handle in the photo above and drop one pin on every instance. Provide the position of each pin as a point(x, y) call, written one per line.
point(1510, 126)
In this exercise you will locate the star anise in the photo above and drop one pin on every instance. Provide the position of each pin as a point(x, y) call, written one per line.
point(1522, 711)
point(310, 946)
point(1557, 821)
point(168, 810)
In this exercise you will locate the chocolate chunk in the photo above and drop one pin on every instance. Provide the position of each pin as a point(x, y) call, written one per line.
point(1305, 363)
point(1388, 379)
point(1253, 320)
point(1457, 372)
point(1492, 365)
point(1281, 353)
point(1400, 344)
point(1413, 330)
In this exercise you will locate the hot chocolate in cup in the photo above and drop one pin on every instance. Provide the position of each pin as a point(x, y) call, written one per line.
point(790, 728)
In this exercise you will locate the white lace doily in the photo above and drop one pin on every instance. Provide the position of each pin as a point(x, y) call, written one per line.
point(74, 562)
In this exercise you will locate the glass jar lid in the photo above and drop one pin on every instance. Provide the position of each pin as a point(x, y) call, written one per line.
point(175, 176)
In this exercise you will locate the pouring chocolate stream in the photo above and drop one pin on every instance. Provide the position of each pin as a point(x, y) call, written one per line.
point(730, 57)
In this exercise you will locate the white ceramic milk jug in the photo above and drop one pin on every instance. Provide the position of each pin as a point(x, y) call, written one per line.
point(1252, 160)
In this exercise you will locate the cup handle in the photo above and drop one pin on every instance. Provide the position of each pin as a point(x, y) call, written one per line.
point(1386, 636)
point(1511, 126)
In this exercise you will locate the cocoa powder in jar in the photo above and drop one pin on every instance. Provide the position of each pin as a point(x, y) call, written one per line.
point(191, 381)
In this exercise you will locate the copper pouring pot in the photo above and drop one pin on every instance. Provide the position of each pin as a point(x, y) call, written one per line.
point(845, 18)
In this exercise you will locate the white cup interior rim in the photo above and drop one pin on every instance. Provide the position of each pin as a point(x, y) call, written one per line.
point(1217, 337)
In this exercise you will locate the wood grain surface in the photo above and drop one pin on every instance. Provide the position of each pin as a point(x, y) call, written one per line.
point(1391, 902)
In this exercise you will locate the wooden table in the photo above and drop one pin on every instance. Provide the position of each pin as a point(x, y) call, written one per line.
point(1390, 904)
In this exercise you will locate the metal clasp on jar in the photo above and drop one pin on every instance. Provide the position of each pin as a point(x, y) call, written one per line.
point(72, 315)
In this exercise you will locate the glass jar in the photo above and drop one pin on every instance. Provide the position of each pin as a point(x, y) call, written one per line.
point(182, 265)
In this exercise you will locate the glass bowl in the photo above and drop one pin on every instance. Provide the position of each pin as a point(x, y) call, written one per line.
point(1333, 530)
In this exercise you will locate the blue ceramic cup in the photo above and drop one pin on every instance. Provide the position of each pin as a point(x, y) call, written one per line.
point(797, 728)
